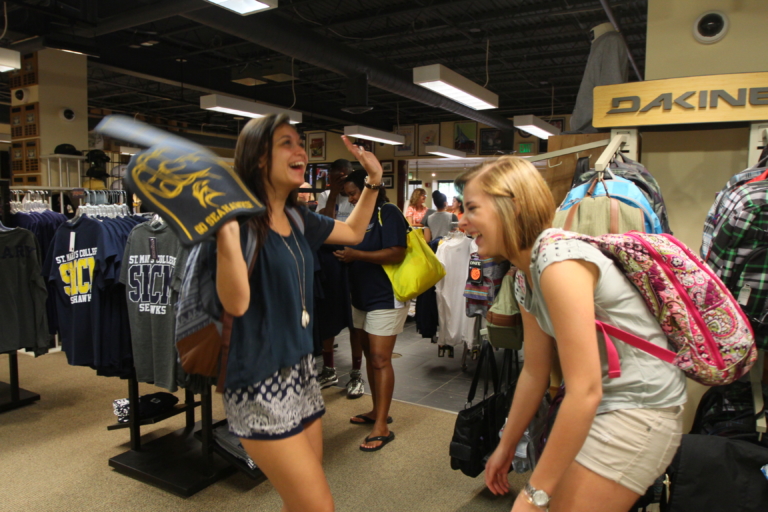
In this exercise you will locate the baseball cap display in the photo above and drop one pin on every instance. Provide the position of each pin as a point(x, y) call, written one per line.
point(117, 185)
point(191, 188)
point(97, 157)
point(67, 149)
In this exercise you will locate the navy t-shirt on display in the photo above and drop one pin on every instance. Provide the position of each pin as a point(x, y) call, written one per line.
point(74, 264)
point(370, 285)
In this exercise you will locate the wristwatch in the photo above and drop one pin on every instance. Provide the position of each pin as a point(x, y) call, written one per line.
point(536, 497)
point(370, 186)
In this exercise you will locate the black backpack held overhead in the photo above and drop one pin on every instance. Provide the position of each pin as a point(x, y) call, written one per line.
point(190, 187)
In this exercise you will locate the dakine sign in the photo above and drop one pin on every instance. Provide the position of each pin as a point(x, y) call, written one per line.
point(701, 99)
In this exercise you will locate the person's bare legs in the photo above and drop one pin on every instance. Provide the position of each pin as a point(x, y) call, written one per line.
point(382, 377)
point(363, 339)
point(582, 490)
point(293, 466)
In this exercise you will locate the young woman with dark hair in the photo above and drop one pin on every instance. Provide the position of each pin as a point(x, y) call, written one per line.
point(377, 316)
point(272, 399)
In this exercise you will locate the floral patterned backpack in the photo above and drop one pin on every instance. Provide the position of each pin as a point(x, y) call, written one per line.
point(713, 338)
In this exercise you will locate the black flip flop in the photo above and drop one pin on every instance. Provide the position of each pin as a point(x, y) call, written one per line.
point(367, 420)
point(384, 441)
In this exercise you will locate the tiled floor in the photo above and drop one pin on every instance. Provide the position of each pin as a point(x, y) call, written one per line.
point(421, 377)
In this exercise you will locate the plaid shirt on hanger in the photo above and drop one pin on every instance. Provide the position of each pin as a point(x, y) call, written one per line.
point(724, 201)
point(744, 232)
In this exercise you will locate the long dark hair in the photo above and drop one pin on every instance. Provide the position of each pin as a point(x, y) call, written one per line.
point(254, 145)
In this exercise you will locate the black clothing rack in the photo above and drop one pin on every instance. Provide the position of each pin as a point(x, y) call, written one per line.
point(182, 462)
point(11, 395)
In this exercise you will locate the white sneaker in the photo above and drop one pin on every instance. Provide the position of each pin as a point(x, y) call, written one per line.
point(327, 377)
point(356, 385)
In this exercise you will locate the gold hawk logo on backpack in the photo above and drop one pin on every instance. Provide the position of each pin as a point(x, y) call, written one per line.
point(163, 175)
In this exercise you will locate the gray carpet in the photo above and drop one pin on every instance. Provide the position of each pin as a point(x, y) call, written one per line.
point(54, 455)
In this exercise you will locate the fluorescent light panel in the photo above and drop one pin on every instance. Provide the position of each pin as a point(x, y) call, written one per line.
point(127, 150)
point(452, 85)
point(9, 60)
point(536, 126)
point(363, 132)
point(239, 107)
point(245, 7)
point(446, 152)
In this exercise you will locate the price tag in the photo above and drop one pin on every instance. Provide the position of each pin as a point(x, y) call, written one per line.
point(476, 272)
point(744, 294)
point(72, 242)
point(153, 248)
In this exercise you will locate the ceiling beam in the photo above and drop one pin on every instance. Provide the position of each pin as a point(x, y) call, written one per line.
point(274, 32)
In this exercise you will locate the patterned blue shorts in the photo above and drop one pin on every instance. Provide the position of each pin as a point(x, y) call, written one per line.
point(277, 407)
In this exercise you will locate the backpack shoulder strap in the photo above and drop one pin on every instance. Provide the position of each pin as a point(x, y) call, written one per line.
point(297, 218)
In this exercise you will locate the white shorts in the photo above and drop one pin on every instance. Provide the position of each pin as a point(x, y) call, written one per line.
point(380, 322)
point(633, 447)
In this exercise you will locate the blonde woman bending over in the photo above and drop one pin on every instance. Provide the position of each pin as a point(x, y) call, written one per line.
point(612, 437)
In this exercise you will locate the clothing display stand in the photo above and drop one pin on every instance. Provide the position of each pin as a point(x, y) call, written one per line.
point(239, 464)
point(11, 395)
point(182, 462)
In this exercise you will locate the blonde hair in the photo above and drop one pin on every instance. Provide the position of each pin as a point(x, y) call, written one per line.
point(520, 196)
point(416, 195)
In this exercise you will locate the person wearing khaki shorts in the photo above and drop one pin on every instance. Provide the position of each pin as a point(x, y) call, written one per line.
point(378, 317)
point(613, 435)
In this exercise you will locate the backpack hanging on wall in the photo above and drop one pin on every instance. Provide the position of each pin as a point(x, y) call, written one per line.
point(606, 205)
point(635, 172)
point(504, 322)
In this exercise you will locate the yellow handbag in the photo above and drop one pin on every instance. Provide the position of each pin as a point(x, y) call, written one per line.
point(418, 272)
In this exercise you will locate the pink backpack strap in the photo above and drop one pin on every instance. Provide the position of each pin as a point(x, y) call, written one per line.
point(614, 368)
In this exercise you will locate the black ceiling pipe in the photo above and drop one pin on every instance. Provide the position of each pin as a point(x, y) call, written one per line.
point(140, 16)
point(271, 31)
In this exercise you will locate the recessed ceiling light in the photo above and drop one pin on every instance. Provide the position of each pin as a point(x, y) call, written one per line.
point(245, 7)
point(134, 46)
point(149, 43)
point(181, 60)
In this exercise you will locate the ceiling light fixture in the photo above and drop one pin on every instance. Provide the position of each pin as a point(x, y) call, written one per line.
point(245, 7)
point(127, 150)
point(9, 60)
point(536, 126)
point(445, 152)
point(363, 132)
point(450, 84)
point(64, 43)
point(240, 107)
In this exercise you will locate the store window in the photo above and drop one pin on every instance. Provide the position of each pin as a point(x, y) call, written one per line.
point(447, 188)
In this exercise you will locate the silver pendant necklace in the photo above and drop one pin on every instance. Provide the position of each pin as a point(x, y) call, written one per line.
point(302, 282)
